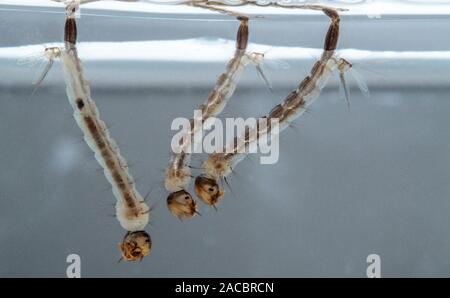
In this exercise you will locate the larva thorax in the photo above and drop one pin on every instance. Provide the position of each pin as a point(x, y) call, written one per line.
point(135, 246)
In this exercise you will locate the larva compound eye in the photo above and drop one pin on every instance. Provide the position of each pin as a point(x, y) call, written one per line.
point(182, 205)
point(208, 190)
point(135, 246)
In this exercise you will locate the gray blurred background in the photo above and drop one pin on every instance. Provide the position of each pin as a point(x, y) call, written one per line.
point(349, 183)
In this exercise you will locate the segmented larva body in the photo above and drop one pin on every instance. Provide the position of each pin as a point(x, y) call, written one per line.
point(131, 210)
point(220, 165)
point(178, 174)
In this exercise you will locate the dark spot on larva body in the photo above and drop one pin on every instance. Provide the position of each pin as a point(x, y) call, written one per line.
point(80, 103)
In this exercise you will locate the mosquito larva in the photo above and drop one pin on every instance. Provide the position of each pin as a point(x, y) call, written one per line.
point(219, 165)
point(131, 210)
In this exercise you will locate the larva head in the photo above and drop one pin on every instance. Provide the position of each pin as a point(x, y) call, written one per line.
point(182, 205)
point(208, 190)
point(135, 246)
